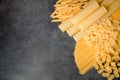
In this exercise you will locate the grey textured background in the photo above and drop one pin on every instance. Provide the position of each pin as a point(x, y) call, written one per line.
point(33, 48)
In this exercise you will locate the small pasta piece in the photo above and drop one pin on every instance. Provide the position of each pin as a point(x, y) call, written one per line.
point(113, 64)
point(108, 58)
point(105, 74)
point(96, 66)
point(116, 74)
point(100, 71)
point(108, 69)
point(115, 58)
point(111, 77)
point(106, 64)
point(103, 59)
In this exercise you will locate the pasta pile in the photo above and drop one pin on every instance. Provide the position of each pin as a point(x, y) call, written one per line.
point(84, 21)
point(106, 37)
point(65, 9)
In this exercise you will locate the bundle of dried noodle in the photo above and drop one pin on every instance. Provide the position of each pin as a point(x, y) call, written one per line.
point(65, 9)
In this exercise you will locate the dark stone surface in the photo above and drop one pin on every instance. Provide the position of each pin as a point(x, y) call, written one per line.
point(33, 48)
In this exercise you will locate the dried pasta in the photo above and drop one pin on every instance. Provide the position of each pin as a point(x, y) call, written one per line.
point(105, 35)
point(65, 9)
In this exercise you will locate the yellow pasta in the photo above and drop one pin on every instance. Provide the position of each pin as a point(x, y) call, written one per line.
point(67, 7)
point(90, 8)
point(111, 77)
point(105, 74)
point(97, 38)
point(81, 59)
point(108, 55)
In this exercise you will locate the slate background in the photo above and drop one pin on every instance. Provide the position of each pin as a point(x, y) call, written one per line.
point(33, 48)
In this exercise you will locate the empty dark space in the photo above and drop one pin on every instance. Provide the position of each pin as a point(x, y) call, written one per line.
point(33, 48)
